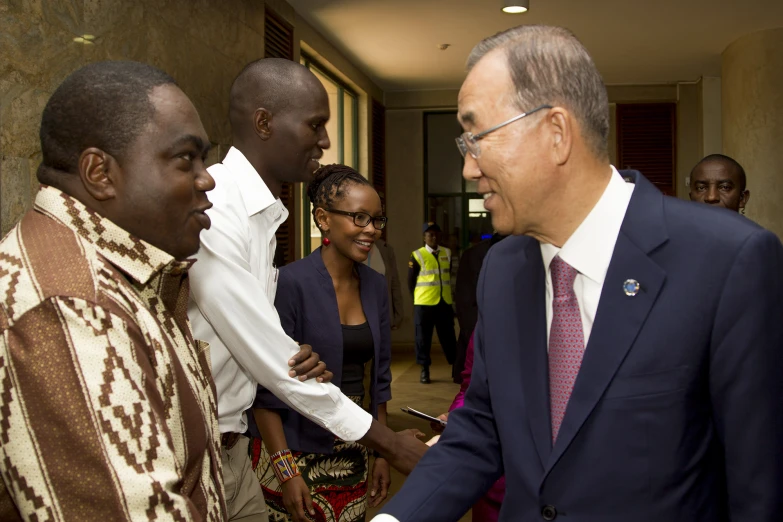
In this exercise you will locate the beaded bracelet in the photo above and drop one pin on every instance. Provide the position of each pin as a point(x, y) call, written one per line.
point(284, 466)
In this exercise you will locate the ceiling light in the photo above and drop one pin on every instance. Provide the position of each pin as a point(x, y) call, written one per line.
point(515, 6)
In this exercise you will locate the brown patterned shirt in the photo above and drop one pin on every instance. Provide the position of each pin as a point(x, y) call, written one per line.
point(107, 407)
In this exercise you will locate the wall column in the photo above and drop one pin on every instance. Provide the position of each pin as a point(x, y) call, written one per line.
point(752, 102)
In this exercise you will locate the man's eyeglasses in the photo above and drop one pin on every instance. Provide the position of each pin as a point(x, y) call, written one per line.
point(362, 219)
point(467, 143)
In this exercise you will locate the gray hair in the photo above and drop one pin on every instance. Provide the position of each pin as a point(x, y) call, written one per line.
point(549, 65)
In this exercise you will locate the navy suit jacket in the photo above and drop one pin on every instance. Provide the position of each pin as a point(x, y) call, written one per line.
point(677, 411)
point(307, 305)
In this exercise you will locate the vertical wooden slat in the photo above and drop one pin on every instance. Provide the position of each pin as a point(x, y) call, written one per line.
point(379, 152)
point(279, 43)
point(646, 141)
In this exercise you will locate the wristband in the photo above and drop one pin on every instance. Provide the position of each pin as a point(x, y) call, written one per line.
point(284, 466)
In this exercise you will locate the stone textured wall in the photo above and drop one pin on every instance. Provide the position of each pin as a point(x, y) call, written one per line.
point(752, 97)
point(202, 43)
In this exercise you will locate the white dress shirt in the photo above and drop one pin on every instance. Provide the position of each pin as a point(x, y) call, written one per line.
point(589, 250)
point(440, 248)
point(233, 284)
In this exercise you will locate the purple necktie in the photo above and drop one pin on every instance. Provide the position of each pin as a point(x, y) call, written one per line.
point(566, 341)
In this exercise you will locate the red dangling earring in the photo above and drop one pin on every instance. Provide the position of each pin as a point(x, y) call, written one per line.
point(326, 241)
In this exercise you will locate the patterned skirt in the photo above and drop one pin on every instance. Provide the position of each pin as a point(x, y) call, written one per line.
point(337, 482)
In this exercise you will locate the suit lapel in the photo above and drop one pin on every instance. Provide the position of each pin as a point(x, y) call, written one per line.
point(530, 317)
point(327, 286)
point(619, 317)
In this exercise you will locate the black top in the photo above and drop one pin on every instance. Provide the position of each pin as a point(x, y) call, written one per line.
point(358, 349)
point(307, 305)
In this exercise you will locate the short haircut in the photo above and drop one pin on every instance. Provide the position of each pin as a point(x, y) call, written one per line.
point(103, 105)
point(270, 83)
point(329, 184)
point(549, 65)
point(727, 161)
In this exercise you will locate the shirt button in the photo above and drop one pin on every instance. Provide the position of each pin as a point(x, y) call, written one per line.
point(549, 512)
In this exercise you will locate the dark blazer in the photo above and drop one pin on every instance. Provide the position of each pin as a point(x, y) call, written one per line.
point(465, 298)
point(392, 281)
point(308, 311)
point(677, 412)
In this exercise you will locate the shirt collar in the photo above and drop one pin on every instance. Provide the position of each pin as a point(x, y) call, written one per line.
point(133, 256)
point(431, 250)
point(589, 249)
point(255, 193)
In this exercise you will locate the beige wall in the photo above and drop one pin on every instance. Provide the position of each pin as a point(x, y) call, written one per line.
point(753, 120)
point(689, 134)
point(434, 99)
point(712, 116)
point(405, 196)
point(405, 180)
point(201, 44)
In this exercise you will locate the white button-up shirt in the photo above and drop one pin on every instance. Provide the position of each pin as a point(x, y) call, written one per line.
point(589, 250)
point(233, 285)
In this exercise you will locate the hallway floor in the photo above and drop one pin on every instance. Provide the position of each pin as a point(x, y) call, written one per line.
point(433, 399)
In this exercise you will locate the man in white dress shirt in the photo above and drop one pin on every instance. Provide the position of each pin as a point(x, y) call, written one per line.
point(278, 113)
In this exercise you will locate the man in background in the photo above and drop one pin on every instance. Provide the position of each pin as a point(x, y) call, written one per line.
point(429, 281)
point(720, 180)
point(465, 298)
point(382, 260)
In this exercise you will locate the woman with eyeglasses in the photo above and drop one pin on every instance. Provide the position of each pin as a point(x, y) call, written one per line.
point(333, 302)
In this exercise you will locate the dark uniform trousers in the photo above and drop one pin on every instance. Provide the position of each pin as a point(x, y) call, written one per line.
point(440, 317)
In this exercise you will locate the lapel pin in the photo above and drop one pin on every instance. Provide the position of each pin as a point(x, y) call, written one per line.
point(631, 287)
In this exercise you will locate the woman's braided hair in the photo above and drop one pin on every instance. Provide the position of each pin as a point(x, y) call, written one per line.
point(330, 183)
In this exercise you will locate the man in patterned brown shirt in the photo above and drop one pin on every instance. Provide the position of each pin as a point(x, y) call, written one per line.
point(107, 407)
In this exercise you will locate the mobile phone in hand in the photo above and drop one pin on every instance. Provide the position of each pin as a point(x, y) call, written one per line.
point(411, 411)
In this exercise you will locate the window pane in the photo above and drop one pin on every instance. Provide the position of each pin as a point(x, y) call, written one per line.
point(479, 221)
point(447, 213)
point(444, 162)
point(349, 133)
point(331, 155)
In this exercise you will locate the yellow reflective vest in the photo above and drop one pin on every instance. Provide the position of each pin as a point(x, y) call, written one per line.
point(434, 279)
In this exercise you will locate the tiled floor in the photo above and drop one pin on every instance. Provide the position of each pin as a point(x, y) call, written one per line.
point(434, 398)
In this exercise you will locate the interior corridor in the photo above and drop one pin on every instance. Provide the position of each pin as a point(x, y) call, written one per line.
point(433, 399)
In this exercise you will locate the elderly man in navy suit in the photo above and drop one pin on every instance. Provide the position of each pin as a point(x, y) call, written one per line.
point(628, 351)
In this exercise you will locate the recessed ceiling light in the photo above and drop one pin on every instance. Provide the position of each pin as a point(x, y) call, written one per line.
point(515, 6)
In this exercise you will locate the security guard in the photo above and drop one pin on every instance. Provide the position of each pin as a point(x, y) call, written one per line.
point(429, 280)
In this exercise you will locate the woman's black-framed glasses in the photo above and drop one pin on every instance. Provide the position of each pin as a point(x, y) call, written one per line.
point(362, 219)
